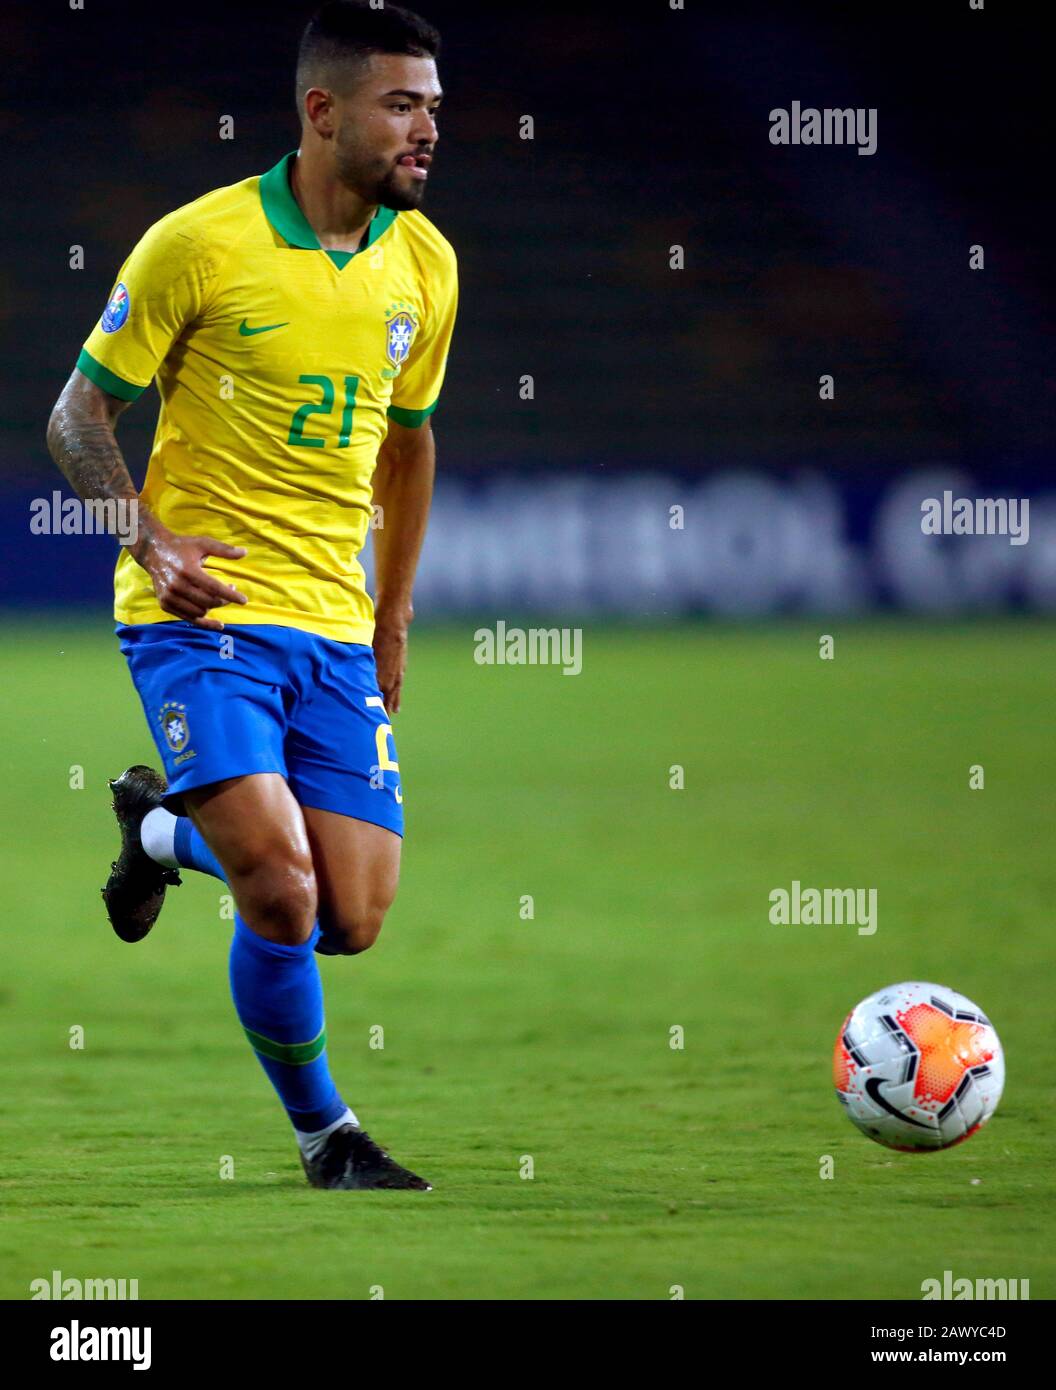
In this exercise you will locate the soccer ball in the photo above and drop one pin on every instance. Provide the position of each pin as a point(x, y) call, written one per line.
point(918, 1067)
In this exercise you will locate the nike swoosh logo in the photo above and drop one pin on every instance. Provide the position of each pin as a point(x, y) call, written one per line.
point(872, 1090)
point(247, 332)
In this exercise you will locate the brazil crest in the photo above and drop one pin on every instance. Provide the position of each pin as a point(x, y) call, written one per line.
point(400, 328)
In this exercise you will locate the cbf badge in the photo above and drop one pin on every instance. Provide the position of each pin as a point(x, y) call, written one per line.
point(174, 726)
point(400, 328)
point(116, 310)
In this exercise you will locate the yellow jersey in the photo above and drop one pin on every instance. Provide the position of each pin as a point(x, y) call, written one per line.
point(279, 365)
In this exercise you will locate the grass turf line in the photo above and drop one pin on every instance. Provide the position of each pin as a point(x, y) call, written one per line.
point(549, 1038)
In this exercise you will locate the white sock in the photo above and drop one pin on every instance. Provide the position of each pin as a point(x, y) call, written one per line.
point(311, 1144)
point(158, 833)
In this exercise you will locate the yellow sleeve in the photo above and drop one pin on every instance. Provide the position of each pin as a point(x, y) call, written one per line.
point(416, 391)
point(160, 289)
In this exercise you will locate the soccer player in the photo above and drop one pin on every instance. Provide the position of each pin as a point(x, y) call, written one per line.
point(297, 324)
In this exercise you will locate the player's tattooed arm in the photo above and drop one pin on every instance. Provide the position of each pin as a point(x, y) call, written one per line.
point(403, 491)
point(82, 442)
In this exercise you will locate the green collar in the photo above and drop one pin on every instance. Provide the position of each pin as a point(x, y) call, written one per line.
point(283, 212)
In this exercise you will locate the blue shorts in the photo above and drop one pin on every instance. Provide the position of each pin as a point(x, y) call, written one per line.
point(268, 699)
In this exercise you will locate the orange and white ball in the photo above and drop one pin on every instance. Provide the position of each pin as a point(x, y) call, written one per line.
point(918, 1067)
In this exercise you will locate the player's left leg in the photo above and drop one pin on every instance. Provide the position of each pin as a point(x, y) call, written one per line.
point(224, 751)
point(342, 769)
point(357, 866)
point(357, 870)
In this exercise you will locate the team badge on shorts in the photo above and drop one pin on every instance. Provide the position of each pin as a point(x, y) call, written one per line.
point(116, 310)
point(400, 328)
point(173, 719)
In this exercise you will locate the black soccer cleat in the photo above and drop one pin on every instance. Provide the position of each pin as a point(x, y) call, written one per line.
point(135, 890)
point(352, 1160)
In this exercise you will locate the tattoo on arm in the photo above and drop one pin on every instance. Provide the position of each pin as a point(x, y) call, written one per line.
point(87, 452)
point(82, 443)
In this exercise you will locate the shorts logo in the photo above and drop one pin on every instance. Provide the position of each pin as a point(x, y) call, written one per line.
point(174, 725)
point(116, 310)
point(400, 328)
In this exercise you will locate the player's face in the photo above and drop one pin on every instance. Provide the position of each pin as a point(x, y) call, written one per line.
point(386, 132)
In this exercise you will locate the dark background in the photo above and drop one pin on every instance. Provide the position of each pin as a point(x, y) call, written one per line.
point(651, 128)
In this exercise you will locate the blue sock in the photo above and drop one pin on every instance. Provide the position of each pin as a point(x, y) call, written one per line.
point(279, 1000)
point(192, 852)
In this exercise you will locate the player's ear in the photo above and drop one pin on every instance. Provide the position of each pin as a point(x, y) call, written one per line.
point(320, 111)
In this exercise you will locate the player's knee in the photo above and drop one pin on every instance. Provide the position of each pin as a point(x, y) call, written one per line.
point(347, 933)
point(278, 898)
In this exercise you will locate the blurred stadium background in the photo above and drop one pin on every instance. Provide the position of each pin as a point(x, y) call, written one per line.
point(653, 388)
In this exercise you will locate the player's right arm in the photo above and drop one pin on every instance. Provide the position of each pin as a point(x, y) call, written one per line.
point(162, 288)
point(83, 444)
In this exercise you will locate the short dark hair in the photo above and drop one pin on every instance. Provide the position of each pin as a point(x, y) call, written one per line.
point(343, 34)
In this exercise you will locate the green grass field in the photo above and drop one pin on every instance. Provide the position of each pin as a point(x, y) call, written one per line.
point(549, 1038)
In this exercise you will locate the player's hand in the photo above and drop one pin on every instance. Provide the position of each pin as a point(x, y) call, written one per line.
point(184, 587)
point(390, 656)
